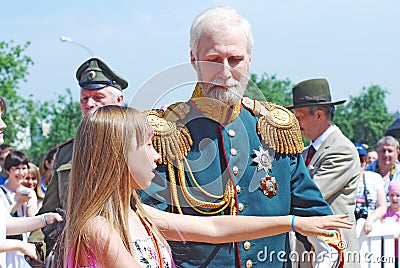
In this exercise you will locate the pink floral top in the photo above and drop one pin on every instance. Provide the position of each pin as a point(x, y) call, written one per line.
point(146, 254)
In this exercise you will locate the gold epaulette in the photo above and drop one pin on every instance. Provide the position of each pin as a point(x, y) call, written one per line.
point(176, 111)
point(171, 139)
point(277, 126)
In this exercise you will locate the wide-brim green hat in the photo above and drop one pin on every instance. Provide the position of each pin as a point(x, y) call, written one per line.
point(313, 92)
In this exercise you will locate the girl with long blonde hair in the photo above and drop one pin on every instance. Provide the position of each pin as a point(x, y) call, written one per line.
point(106, 224)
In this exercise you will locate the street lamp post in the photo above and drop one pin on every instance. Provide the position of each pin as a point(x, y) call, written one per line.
point(64, 38)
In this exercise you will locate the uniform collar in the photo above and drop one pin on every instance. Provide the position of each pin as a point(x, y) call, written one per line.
point(213, 109)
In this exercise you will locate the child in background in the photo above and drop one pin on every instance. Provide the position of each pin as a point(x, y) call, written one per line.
point(32, 181)
point(393, 211)
point(45, 170)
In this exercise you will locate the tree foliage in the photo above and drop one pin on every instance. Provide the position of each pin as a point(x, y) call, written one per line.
point(13, 69)
point(66, 115)
point(62, 117)
point(27, 116)
point(365, 118)
point(269, 88)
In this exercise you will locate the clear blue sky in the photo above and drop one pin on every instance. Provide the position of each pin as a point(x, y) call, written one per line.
point(353, 44)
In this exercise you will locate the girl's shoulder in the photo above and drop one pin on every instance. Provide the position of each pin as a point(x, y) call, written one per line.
point(98, 225)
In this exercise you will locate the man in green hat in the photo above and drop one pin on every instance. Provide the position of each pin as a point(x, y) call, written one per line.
point(99, 86)
point(331, 158)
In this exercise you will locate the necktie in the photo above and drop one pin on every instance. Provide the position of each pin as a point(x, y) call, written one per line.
point(310, 153)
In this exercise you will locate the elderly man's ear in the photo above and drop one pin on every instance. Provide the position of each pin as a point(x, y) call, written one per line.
point(193, 61)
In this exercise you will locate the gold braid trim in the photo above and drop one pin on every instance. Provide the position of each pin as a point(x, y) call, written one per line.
point(197, 92)
point(172, 140)
point(177, 111)
point(278, 127)
point(197, 204)
point(174, 191)
point(198, 185)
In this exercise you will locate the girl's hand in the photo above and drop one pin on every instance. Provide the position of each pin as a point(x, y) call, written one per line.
point(368, 224)
point(52, 217)
point(28, 249)
point(320, 225)
point(23, 196)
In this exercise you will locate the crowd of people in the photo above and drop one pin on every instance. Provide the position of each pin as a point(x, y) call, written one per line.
point(210, 182)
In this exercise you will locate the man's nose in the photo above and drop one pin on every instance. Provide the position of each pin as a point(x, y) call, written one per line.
point(226, 69)
point(90, 102)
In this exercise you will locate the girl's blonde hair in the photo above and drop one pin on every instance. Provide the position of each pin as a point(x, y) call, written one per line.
point(100, 183)
point(34, 171)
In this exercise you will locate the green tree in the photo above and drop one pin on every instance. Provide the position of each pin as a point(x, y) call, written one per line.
point(269, 88)
point(62, 116)
point(66, 115)
point(37, 114)
point(343, 121)
point(29, 115)
point(365, 118)
point(13, 69)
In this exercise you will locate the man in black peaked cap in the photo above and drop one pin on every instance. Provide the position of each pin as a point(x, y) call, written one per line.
point(100, 86)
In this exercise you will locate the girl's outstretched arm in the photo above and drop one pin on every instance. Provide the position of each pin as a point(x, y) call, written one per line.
point(18, 245)
point(19, 225)
point(223, 229)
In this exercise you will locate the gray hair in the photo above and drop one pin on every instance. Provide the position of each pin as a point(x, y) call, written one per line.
point(115, 92)
point(218, 19)
point(388, 140)
point(329, 111)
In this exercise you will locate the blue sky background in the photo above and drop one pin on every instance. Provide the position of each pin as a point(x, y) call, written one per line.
point(354, 44)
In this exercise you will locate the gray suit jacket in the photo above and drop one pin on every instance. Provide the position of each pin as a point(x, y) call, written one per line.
point(335, 168)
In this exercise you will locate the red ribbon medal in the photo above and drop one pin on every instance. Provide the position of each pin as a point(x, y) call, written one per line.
point(269, 186)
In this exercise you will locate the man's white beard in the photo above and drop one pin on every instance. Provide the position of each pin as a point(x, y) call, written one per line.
point(228, 91)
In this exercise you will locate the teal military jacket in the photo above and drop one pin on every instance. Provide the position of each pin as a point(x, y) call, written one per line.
point(233, 161)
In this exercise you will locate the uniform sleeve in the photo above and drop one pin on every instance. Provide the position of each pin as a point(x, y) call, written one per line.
point(306, 198)
point(51, 200)
point(60, 176)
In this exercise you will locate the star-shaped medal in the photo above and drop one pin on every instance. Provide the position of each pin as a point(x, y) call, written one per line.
point(263, 160)
point(269, 186)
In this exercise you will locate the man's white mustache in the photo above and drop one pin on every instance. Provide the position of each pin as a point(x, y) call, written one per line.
point(225, 83)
